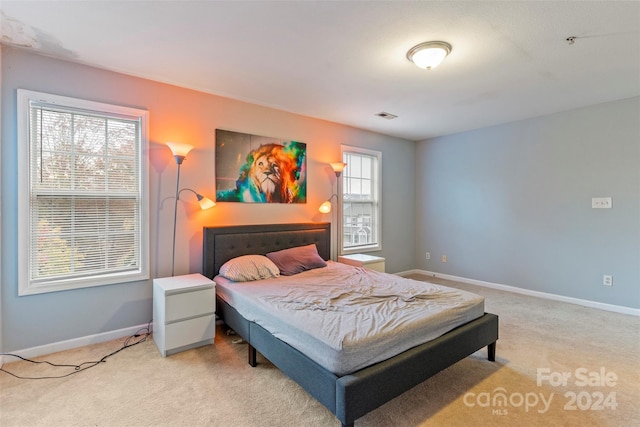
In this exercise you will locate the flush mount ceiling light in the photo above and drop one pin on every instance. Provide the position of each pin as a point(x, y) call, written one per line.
point(429, 55)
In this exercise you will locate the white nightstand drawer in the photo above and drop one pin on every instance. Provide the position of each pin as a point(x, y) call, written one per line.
point(377, 266)
point(190, 304)
point(190, 331)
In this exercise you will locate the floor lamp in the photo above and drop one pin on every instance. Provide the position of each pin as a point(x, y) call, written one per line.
point(325, 207)
point(180, 152)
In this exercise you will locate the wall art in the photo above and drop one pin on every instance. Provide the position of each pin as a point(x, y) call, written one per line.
point(259, 169)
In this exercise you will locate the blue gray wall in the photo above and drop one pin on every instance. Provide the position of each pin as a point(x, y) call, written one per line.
point(511, 204)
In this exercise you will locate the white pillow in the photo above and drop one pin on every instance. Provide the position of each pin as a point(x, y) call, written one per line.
point(249, 267)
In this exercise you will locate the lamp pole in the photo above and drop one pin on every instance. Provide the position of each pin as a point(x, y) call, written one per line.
point(179, 160)
point(338, 218)
point(338, 167)
point(179, 154)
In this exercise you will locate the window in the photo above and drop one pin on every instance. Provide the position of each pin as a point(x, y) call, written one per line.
point(361, 206)
point(82, 193)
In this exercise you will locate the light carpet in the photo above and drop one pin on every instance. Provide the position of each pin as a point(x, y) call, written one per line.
point(557, 364)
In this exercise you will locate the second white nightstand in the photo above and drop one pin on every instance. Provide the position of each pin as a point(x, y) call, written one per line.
point(361, 260)
point(183, 312)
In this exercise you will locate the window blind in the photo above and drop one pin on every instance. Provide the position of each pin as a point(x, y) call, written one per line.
point(85, 193)
point(360, 200)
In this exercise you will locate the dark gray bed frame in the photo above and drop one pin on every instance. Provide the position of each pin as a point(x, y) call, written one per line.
point(353, 395)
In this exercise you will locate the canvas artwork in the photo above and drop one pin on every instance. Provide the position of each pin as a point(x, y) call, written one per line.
point(259, 169)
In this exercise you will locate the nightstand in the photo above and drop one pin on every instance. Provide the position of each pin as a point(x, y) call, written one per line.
point(183, 312)
point(361, 260)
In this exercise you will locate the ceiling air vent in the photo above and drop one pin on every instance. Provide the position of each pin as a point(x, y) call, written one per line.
point(387, 116)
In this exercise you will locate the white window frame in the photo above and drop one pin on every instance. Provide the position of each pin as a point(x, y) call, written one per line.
point(377, 188)
point(26, 285)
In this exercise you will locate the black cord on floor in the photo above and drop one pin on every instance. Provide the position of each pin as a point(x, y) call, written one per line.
point(129, 342)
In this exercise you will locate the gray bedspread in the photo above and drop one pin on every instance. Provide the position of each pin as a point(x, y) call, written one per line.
point(346, 318)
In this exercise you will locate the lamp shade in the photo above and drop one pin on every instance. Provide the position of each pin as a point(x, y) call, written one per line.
point(179, 149)
point(205, 202)
point(338, 167)
point(429, 55)
point(325, 207)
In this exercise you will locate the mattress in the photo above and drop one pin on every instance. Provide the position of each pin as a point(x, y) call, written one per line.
point(346, 318)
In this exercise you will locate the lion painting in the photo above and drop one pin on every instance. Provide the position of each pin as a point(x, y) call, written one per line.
point(272, 173)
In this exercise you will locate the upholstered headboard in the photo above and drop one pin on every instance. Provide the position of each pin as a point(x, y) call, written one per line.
point(224, 243)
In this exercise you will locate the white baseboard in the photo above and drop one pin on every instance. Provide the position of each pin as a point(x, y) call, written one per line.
point(585, 303)
point(55, 347)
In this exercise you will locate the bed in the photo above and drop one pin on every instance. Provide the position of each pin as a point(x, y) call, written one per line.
point(348, 396)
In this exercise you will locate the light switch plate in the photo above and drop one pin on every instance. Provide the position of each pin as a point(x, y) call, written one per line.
point(601, 202)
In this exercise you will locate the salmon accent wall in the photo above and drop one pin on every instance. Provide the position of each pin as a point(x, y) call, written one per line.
point(191, 117)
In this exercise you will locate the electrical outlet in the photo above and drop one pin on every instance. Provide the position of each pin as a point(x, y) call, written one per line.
point(444, 258)
point(607, 280)
point(428, 255)
point(601, 202)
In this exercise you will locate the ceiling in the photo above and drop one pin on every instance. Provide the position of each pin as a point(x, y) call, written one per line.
point(345, 61)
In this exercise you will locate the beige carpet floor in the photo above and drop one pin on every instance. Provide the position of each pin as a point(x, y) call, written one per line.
point(214, 386)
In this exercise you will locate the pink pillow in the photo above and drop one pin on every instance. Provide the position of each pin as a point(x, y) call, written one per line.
point(296, 260)
point(249, 267)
